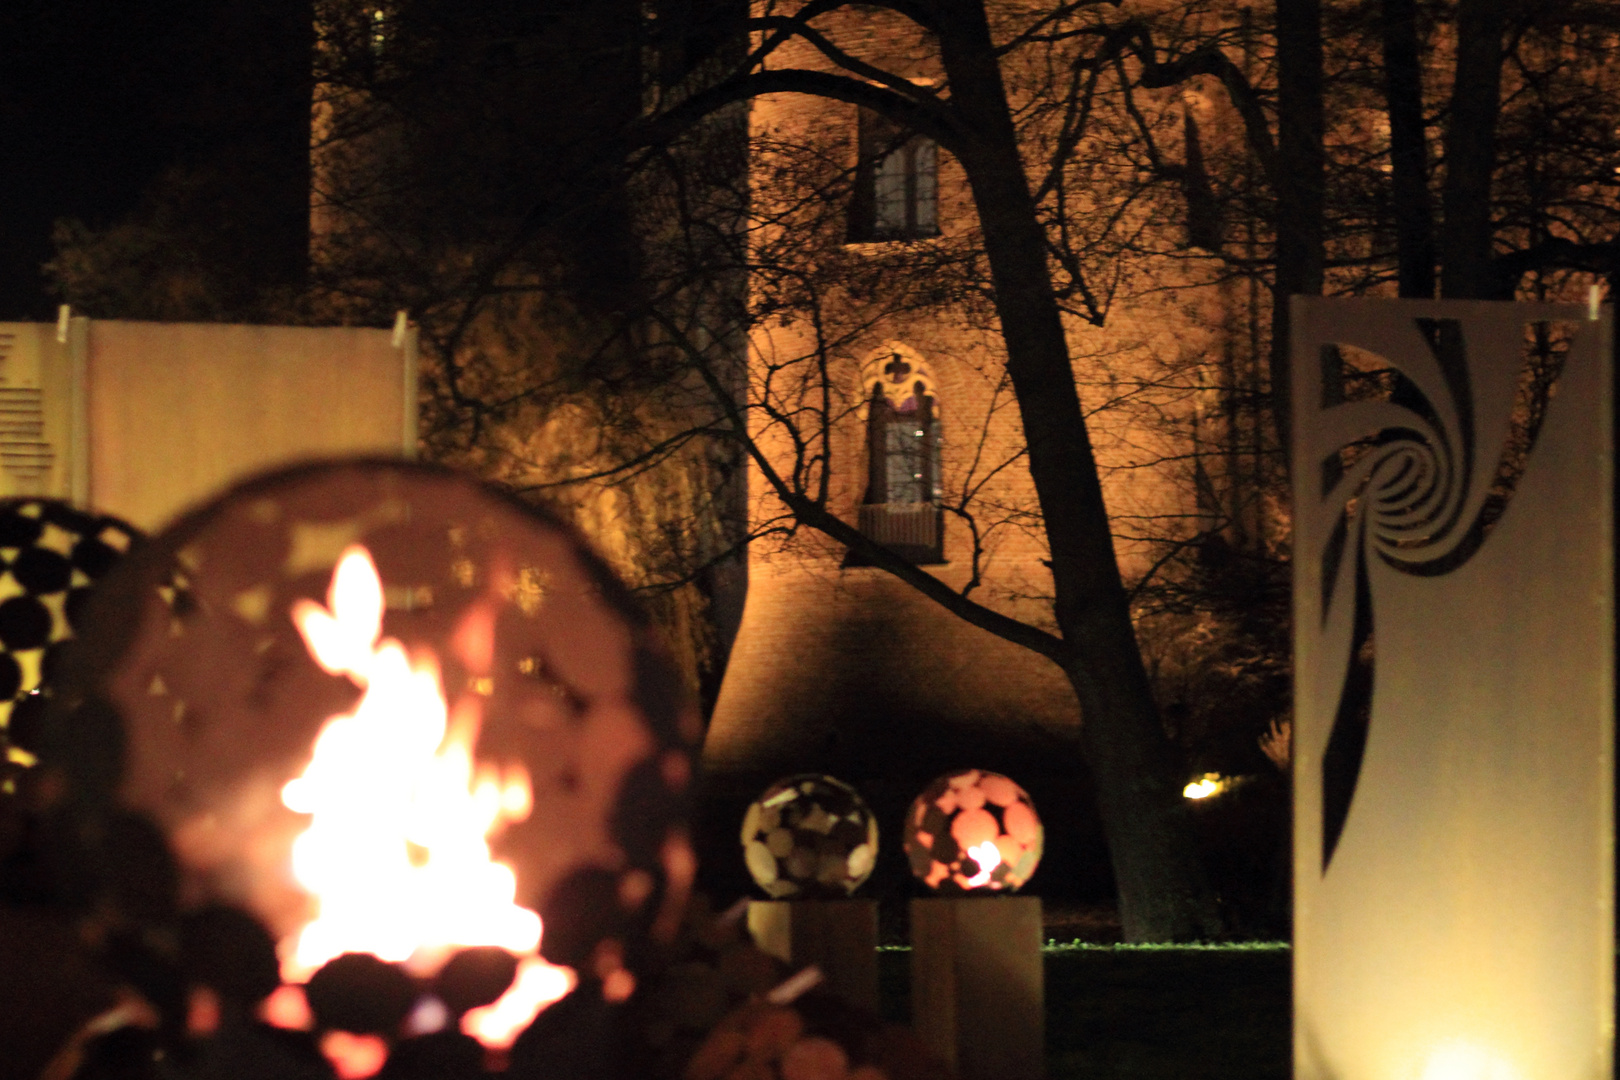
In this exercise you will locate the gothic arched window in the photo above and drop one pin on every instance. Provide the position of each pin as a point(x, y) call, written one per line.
point(900, 509)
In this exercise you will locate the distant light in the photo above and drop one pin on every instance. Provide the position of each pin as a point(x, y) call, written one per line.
point(1206, 785)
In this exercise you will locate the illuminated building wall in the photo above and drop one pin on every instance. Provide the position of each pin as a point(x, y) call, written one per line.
point(842, 667)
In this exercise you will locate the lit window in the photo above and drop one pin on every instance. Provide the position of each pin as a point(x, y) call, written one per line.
point(909, 444)
point(896, 183)
point(901, 508)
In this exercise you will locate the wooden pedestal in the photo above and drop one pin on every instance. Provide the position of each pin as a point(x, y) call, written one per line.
point(838, 936)
point(978, 996)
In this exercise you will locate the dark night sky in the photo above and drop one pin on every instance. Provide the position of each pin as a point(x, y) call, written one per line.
point(99, 97)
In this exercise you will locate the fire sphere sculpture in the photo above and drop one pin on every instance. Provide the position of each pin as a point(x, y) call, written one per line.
point(973, 830)
point(809, 836)
point(390, 710)
point(977, 988)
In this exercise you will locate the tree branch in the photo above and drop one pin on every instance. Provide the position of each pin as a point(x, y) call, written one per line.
point(819, 518)
point(856, 66)
point(1554, 253)
point(1210, 60)
point(931, 117)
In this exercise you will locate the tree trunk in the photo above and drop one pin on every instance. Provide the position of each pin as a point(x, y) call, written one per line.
point(1408, 150)
point(1301, 170)
point(1163, 892)
point(1465, 232)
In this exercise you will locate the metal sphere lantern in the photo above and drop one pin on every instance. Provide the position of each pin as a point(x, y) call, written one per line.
point(973, 831)
point(51, 554)
point(809, 836)
point(390, 710)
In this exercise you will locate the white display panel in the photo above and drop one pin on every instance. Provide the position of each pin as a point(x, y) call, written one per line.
point(144, 419)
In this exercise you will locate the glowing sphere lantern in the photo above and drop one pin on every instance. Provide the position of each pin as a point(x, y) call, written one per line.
point(973, 831)
point(809, 837)
point(390, 710)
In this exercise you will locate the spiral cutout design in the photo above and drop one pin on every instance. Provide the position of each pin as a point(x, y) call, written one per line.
point(1411, 490)
point(1413, 496)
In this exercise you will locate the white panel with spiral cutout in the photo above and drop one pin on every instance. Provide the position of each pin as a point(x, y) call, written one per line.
point(1454, 642)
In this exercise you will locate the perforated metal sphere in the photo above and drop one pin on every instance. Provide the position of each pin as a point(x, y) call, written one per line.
point(809, 836)
point(51, 554)
point(538, 656)
point(973, 831)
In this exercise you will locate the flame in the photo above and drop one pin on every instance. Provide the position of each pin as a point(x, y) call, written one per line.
point(988, 856)
point(397, 853)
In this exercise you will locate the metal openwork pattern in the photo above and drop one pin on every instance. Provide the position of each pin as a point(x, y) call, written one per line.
point(1454, 690)
point(809, 836)
point(51, 554)
point(248, 645)
point(973, 831)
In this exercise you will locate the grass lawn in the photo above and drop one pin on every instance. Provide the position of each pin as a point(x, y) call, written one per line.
point(1146, 1013)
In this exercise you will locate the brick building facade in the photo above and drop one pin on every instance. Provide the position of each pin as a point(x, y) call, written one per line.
point(840, 666)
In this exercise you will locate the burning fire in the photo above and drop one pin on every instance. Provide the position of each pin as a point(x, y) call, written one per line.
point(397, 852)
point(988, 856)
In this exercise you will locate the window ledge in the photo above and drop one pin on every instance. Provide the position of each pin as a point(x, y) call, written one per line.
point(880, 247)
